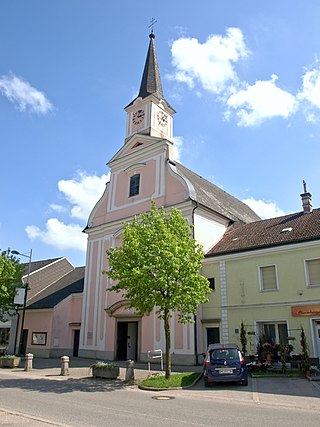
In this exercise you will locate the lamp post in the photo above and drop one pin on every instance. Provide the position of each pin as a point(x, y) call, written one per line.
point(26, 287)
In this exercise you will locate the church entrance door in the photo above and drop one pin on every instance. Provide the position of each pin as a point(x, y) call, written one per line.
point(127, 340)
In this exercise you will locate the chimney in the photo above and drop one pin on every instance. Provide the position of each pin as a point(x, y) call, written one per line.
point(306, 199)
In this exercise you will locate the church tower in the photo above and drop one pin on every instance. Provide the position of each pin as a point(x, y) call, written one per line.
point(149, 113)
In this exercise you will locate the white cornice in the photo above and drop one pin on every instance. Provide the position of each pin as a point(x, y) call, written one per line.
point(274, 304)
point(107, 228)
point(153, 146)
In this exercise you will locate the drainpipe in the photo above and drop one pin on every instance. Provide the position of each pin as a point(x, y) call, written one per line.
point(195, 316)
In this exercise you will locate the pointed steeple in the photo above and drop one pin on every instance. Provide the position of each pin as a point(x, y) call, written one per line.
point(149, 113)
point(151, 82)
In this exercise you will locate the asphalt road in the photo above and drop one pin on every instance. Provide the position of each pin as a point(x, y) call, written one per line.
point(31, 400)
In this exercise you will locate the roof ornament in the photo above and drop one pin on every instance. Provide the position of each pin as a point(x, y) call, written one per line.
point(304, 186)
point(306, 199)
point(152, 22)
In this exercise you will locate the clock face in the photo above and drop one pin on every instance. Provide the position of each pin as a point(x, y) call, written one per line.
point(138, 117)
point(162, 118)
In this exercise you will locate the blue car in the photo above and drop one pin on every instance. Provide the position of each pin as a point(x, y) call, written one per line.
point(224, 363)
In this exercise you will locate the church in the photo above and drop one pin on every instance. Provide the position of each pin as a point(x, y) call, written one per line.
point(142, 169)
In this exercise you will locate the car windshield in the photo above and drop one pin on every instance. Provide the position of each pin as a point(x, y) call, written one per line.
point(224, 354)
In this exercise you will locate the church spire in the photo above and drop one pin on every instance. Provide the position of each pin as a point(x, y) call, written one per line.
point(151, 82)
point(149, 113)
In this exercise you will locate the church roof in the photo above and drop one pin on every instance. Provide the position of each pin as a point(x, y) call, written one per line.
point(216, 199)
point(37, 265)
point(71, 283)
point(288, 229)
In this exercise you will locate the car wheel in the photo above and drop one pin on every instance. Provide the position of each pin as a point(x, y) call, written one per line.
point(206, 384)
point(244, 382)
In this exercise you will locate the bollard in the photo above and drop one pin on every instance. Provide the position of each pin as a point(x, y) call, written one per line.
point(28, 362)
point(64, 365)
point(129, 370)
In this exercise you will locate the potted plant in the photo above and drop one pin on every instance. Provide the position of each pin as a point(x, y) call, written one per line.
point(106, 370)
point(10, 361)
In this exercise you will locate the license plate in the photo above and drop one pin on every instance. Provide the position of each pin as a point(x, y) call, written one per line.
point(225, 371)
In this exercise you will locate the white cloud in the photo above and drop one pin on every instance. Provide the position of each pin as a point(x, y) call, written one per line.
point(311, 87)
point(60, 235)
point(264, 209)
point(177, 147)
point(260, 102)
point(23, 95)
point(310, 93)
point(83, 192)
point(212, 63)
point(58, 208)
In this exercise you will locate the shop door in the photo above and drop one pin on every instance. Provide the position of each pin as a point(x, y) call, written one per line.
point(213, 335)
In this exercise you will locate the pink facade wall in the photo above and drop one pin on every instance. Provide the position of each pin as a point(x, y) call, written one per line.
point(55, 323)
point(156, 177)
point(65, 314)
point(38, 321)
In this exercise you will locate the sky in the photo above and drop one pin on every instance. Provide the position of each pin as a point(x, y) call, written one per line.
point(243, 76)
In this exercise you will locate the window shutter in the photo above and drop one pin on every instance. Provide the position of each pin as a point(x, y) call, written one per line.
point(268, 277)
point(314, 272)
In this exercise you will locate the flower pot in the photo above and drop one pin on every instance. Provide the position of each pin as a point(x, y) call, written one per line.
point(10, 362)
point(110, 373)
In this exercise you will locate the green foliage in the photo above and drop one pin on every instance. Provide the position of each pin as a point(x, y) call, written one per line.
point(176, 380)
point(158, 265)
point(243, 338)
point(304, 348)
point(10, 279)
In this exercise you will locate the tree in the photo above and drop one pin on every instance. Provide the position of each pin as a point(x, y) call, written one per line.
point(243, 338)
point(158, 266)
point(10, 279)
point(304, 348)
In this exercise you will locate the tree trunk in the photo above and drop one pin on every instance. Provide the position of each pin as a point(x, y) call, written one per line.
point(167, 335)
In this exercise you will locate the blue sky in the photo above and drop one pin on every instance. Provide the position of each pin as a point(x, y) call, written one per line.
point(244, 78)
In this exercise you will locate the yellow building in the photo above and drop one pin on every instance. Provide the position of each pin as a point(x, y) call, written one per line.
point(266, 274)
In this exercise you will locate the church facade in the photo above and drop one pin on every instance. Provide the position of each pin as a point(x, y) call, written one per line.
point(142, 169)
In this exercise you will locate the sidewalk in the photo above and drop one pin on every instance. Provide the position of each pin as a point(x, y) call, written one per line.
point(80, 368)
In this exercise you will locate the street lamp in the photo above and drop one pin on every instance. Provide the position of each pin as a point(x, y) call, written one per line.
point(26, 287)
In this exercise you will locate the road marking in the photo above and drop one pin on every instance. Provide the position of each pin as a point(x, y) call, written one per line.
point(32, 417)
point(255, 394)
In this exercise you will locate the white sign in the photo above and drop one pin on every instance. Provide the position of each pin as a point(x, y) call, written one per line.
point(19, 298)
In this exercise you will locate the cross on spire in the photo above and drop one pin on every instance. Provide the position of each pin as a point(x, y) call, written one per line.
point(152, 22)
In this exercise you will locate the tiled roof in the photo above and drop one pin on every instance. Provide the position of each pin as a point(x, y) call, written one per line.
point(69, 284)
point(36, 265)
point(289, 229)
point(44, 273)
point(216, 199)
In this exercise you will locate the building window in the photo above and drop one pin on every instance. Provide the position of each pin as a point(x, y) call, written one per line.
point(134, 185)
point(313, 272)
point(274, 332)
point(212, 283)
point(268, 278)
